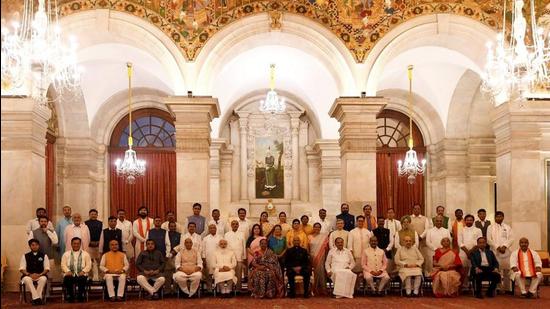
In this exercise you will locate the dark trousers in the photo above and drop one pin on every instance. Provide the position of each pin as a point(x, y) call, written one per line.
point(71, 283)
point(291, 274)
point(486, 275)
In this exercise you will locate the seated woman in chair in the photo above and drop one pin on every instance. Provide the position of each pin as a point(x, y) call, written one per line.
point(224, 271)
point(265, 276)
point(446, 274)
point(409, 262)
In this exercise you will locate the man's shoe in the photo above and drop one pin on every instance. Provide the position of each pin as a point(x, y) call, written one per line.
point(112, 298)
point(524, 295)
point(479, 296)
point(530, 295)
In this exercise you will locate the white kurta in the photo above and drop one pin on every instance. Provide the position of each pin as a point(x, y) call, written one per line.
point(197, 241)
point(140, 240)
point(500, 235)
point(358, 241)
point(434, 237)
point(127, 237)
point(335, 234)
point(244, 227)
point(394, 226)
point(468, 238)
point(326, 225)
point(179, 228)
point(224, 257)
point(340, 263)
point(536, 260)
point(208, 249)
point(221, 226)
point(236, 243)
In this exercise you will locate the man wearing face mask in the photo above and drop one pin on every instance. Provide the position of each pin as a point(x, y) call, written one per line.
point(141, 227)
point(349, 220)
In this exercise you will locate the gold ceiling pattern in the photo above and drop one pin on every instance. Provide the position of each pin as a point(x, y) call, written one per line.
point(359, 24)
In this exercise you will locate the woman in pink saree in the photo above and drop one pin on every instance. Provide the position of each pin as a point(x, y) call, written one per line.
point(447, 269)
point(318, 247)
point(253, 242)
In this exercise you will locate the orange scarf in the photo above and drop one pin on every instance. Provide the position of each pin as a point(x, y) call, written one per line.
point(455, 233)
point(141, 232)
point(531, 263)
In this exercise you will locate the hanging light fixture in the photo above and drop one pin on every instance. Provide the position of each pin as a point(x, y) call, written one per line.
point(411, 167)
point(518, 67)
point(272, 103)
point(34, 55)
point(131, 167)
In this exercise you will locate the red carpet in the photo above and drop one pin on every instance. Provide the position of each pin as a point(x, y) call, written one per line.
point(11, 300)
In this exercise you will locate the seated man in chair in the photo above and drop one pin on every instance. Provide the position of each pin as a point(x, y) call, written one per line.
point(526, 263)
point(34, 267)
point(339, 264)
point(484, 267)
point(188, 268)
point(297, 264)
point(374, 263)
point(115, 265)
point(76, 264)
point(409, 262)
point(150, 265)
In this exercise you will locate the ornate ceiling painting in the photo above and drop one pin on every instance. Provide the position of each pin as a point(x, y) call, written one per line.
point(358, 23)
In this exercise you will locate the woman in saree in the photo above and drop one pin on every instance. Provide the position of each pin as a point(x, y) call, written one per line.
point(253, 242)
point(318, 248)
point(277, 242)
point(265, 275)
point(296, 231)
point(406, 230)
point(264, 223)
point(446, 275)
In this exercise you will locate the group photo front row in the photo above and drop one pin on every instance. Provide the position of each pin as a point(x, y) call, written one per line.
point(338, 258)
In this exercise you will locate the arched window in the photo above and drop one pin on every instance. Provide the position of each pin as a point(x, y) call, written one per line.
point(154, 142)
point(393, 190)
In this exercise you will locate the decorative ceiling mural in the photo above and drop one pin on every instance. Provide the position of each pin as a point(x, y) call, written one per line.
point(358, 23)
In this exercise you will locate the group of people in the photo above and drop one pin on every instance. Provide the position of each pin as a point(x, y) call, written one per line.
point(226, 253)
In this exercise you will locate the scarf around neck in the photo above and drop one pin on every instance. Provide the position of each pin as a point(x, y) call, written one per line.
point(78, 268)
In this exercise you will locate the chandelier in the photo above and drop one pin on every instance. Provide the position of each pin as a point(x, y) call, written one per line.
point(518, 66)
point(272, 104)
point(411, 167)
point(34, 55)
point(130, 167)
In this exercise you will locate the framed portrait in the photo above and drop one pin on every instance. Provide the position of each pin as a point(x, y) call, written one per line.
point(269, 167)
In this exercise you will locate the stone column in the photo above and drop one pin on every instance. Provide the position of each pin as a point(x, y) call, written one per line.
point(303, 170)
point(357, 117)
point(522, 136)
point(330, 190)
point(243, 129)
point(295, 125)
point(192, 122)
point(23, 176)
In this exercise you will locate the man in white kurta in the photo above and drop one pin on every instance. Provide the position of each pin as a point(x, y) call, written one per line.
point(209, 246)
point(188, 268)
point(500, 238)
point(77, 229)
point(237, 243)
point(127, 233)
point(421, 224)
point(244, 224)
point(171, 217)
point(467, 241)
point(358, 241)
point(326, 224)
point(526, 264)
point(141, 226)
point(374, 264)
point(392, 224)
point(224, 268)
point(409, 261)
point(221, 226)
point(338, 265)
point(195, 237)
point(338, 232)
point(434, 236)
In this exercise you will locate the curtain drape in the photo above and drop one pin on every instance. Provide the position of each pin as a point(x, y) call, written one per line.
point(50, 175)
point(394, 191)
point(156, 189)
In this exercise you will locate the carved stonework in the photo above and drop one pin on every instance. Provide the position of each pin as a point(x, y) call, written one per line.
point(275, 20)
point(53, 127)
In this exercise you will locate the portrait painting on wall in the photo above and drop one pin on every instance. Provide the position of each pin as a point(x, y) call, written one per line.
point(269, 167)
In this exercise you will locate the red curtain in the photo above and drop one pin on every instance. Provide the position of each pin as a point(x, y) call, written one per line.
point(393, 190)
point(156, 189)
point(50, 175)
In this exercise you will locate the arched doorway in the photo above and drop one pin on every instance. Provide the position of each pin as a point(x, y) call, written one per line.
point(393, 191)
point(154, 142)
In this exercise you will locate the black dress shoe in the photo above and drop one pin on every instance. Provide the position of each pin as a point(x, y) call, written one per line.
point(530, 295)
point(479, 296)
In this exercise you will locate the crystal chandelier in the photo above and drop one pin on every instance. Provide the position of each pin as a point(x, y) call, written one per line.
point(412, 167)
point(34, 55)
point(130, 167)
point(272, 104)
point(518, 66)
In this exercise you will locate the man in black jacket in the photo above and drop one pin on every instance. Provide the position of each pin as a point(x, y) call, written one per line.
point(383, 236)
point(108, 234)
point(349, 219)
point(484, 268)
point(297, 263)
point(34, 266)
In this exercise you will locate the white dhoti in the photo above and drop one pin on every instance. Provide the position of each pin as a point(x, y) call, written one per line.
point(182, 278)
point(344, 282)
point(224, 276)
point(535, 280)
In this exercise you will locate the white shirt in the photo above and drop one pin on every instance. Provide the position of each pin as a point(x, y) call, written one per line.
point(244, 227)
point(500, 235)
point(33, 224)
point(468, 237)
point(135, 228)
point(179, 227)
point(23, 263)
point(197, 241)
point(339, 259)
point(435, 235)
point(52, 235)
point(326, 225)
point(86, 261)
point(484, 261)
point(236, 243)
point(358, 241)
point(394, 226)
point(536, 260)
point(208, 250)
point(221, 227)
point(126, 228)
point(77, 230)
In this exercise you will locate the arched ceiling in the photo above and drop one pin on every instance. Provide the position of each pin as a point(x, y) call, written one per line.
point(358, 23)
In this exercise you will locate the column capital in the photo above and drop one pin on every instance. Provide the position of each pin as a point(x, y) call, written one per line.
point(357, 117)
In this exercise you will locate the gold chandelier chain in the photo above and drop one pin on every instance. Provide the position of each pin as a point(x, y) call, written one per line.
point(410, 68)
point(130, 139)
